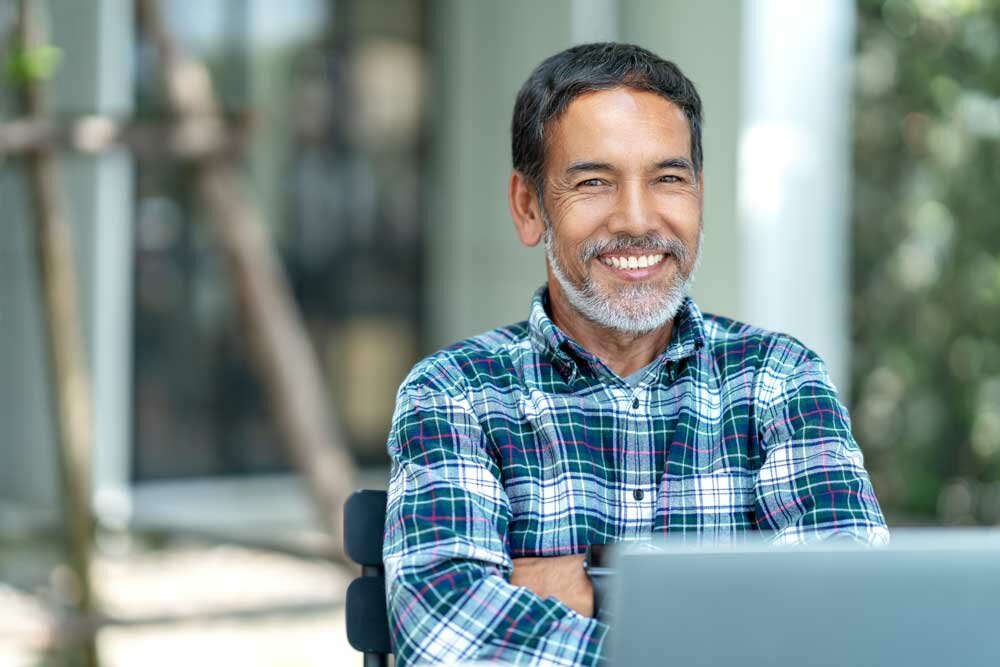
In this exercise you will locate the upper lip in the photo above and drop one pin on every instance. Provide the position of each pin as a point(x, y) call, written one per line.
point(633, 253)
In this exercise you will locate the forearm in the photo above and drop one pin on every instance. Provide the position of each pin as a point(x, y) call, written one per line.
point(447, 569)
point(813, 484)
point(447, 566)
point(560, 577)
point(831, 502)
point(459, 610)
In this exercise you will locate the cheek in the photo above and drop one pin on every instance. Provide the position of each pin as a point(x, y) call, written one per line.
point(683, 203)
point(683, 213)
point(582, 211)
point(575, 229)
point(568, 250)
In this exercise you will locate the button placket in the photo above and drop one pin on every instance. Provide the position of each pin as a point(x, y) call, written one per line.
point(638, 495)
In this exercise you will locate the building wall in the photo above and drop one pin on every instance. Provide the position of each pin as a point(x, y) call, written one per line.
point(27, 462)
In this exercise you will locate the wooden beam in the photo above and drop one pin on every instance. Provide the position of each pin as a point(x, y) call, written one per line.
point(70, 379)
point(98, 134)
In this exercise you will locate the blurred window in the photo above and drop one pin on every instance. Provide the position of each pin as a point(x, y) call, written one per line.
point(333, 93)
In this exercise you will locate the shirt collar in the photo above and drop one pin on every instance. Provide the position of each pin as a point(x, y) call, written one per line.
point(570, 358)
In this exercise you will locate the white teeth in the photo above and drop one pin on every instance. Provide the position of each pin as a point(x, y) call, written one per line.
point(633, 262)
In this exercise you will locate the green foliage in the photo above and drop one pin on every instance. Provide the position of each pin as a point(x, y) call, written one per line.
point(37, 63)
point(926, 256)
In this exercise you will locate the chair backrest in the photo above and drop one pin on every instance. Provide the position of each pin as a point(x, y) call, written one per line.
point(367, 617)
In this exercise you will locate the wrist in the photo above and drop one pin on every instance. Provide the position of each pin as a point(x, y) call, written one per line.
point(595, 566)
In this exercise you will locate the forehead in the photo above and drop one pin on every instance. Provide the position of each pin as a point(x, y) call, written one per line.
point(622, 123)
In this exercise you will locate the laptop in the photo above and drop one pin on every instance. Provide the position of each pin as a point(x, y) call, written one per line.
point(931, 598)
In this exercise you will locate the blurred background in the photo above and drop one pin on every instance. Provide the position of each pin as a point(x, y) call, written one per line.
point(852, 155)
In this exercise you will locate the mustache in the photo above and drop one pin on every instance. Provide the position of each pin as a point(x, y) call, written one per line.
point(651, 243)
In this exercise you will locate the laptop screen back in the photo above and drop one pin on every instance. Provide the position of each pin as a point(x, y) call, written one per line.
point(932, 598)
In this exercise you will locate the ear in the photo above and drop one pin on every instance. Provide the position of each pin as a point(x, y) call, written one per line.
point(524, 210)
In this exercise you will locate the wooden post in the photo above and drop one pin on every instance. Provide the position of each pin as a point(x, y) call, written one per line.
point(67, 366)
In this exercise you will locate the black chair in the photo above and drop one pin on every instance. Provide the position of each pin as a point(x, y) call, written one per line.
point(367, 617)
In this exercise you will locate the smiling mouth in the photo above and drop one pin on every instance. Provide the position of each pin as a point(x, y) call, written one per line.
point(633, 262)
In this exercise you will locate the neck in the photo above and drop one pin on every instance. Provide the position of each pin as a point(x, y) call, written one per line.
point(623, 352)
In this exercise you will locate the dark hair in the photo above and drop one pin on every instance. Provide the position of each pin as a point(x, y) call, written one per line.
point(585, 68)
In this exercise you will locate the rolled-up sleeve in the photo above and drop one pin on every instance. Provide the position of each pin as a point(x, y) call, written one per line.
point(447, 565)
point(812, 484)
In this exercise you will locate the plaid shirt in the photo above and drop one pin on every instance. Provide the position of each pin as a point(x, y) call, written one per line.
point(519, 442)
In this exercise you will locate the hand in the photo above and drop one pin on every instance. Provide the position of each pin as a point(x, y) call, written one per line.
point(561, 577)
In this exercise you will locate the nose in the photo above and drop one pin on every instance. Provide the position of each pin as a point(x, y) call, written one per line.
point(634, 214)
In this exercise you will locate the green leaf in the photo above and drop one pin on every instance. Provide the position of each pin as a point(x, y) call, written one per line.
point(37, 63)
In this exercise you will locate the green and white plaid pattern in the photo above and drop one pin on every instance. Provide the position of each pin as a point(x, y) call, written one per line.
point(519, 442)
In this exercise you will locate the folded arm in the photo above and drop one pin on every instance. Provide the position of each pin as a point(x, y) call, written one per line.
point(448, 571)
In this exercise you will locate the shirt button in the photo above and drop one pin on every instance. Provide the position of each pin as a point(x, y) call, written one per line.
point(638, 494)
point(635, 403)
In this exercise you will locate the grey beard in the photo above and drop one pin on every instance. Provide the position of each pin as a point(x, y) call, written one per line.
point(638, 308)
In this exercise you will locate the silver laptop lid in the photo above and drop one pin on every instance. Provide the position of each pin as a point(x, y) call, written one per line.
point(931, 598)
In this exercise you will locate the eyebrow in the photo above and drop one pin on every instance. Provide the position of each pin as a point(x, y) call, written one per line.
point(676, 163)
point(588, 166)
point(669, 163)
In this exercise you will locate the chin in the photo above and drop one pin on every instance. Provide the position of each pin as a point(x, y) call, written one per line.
point(640, 323)
point(626, 307)
point(635, 315)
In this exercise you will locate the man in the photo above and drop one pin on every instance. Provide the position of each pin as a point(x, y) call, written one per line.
point(618, 411)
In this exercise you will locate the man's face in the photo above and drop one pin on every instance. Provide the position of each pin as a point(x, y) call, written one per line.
point(622, 206)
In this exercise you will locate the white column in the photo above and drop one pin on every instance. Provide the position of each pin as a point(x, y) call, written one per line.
point(794, 167)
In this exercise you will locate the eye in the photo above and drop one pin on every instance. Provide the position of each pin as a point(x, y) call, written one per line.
point(590, 183)
point(670, 178)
